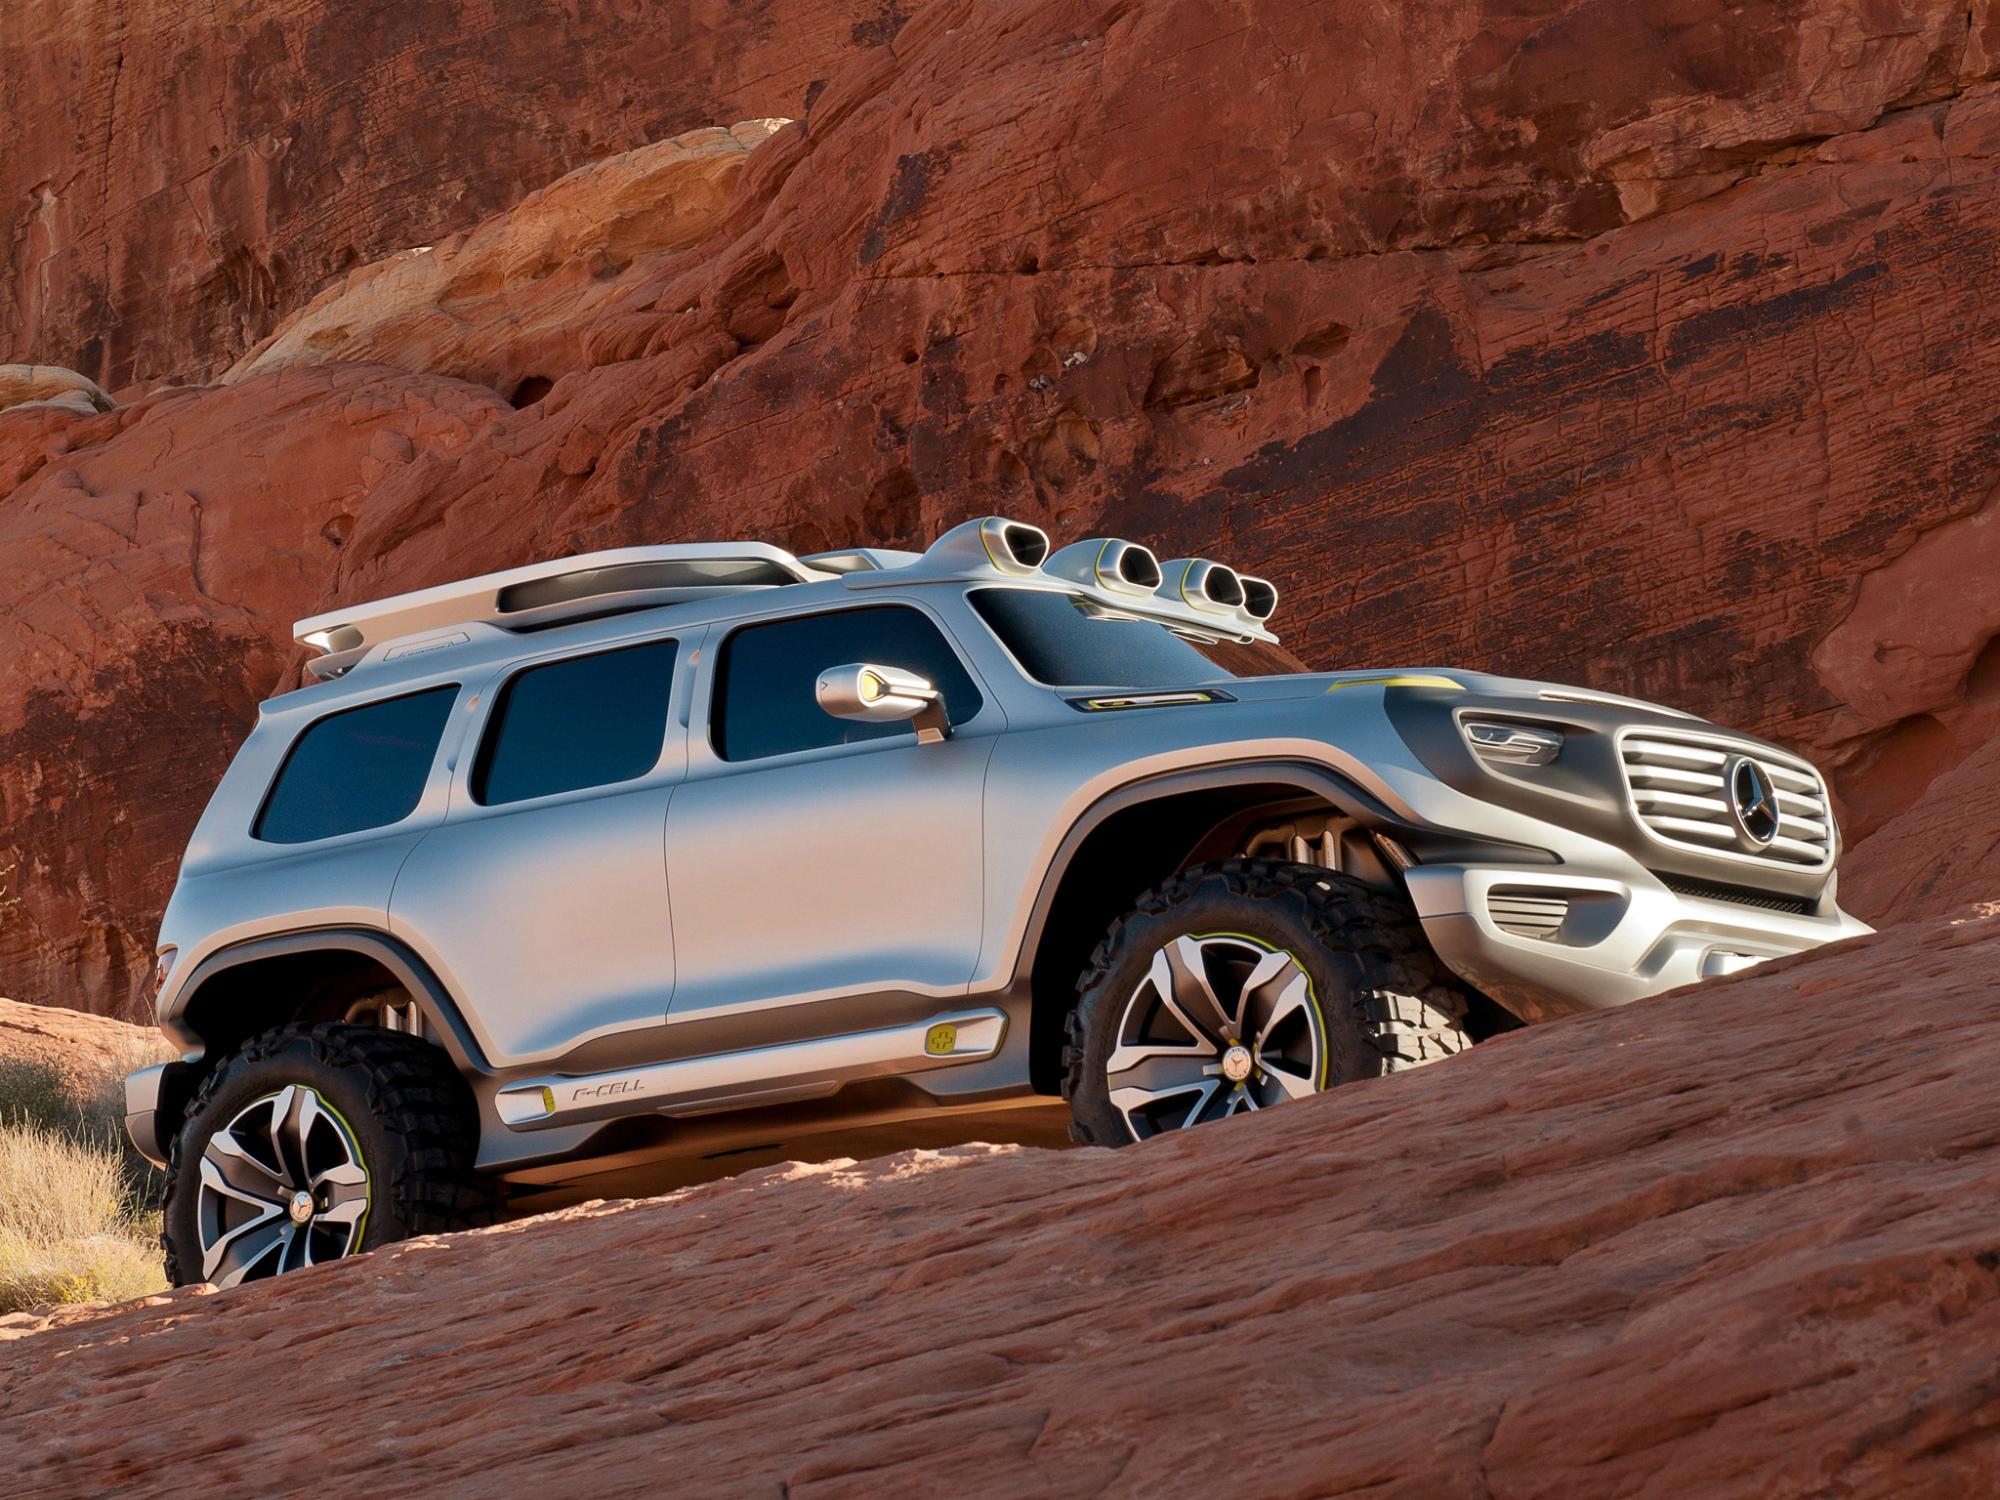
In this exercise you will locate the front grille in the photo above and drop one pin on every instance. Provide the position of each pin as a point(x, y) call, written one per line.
point(1526, 911)
point(1680, 885)
point(1679, 789)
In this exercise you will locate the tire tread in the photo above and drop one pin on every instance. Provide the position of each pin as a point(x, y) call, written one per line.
point(1410, 1008)
point(414, 1093)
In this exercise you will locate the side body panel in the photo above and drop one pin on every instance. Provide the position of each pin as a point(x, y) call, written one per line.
point(551, 918)
point(347, 886)
point(1057, 764)
point(549, 915)
point(234, 888)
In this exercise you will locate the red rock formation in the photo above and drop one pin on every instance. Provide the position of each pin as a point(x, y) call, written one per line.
point(1628, 344)
point(518, 299)
point(92, 1050)
point(147, 558)
point(50, 385)
point(1547, 440)
point(1660, 459)
point(1730, 1242)
point(178, 178)
point(1942, 851)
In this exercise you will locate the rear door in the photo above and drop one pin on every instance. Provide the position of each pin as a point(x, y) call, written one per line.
point(542, 898)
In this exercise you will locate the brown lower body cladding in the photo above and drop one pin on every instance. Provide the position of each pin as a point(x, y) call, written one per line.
point(1736, 1241)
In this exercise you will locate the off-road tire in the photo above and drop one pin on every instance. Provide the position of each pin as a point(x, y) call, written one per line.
point(1385, 1001)
point(411, 1114)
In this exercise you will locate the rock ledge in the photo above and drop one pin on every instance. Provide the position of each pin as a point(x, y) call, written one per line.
point(1736, 1241)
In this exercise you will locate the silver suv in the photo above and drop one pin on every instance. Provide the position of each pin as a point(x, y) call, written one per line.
point(661, 855)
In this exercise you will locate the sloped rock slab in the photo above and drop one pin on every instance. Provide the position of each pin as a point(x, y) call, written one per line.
point(1732, 1242)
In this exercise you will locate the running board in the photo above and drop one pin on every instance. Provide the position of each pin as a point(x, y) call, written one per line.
point(763, 1075)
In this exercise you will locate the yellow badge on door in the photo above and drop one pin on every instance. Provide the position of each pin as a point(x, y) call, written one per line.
point(941, 1040)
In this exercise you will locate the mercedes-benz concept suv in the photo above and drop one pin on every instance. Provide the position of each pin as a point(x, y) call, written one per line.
point(668, 853)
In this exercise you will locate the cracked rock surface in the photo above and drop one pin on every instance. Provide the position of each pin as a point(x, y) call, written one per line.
point(1734, 1241)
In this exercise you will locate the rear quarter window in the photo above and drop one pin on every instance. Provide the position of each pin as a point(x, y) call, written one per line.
point(360, 768)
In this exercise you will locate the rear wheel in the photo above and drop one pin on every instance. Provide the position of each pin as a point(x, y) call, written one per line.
point(313, 1143)
point(1242, 985)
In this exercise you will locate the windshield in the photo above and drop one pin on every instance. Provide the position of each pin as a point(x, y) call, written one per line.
point(1067, 641)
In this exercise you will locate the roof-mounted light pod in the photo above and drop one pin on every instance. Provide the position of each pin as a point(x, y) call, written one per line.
point(1014, 544)
point(1011, 547)
point(1260, 598)
point(1206, 587)
point(1117, 567)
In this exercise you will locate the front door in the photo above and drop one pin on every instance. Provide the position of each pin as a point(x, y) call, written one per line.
point(542, 898)
point(812, 857)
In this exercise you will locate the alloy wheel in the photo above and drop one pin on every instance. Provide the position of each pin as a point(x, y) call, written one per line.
point(283, 1186)
point(1222, 1024)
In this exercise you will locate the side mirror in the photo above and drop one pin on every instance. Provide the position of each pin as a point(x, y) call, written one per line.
point(883, 695)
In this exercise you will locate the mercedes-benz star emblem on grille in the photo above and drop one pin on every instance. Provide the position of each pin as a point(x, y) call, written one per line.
point(1754, 800)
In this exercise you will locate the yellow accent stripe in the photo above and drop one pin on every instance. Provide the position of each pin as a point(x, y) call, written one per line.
point(1389, 682)
point(361, 1225)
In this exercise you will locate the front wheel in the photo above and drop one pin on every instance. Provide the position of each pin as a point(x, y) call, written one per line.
point(316, 1142)
point(1238, 986)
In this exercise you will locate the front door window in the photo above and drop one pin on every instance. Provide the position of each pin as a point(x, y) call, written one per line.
point(764, 701)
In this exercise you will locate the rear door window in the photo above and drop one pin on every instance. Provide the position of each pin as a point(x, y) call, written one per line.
point(589, 721)
point(764, 703)
point(360, 768)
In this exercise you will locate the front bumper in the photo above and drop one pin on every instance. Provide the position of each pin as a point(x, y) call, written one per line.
point(1619, 941)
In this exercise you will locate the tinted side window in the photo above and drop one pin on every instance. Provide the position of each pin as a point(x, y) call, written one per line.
point(764, 702)
point(1066, 641)
point(588, 721)
point(361, 768)
point(1057, 641)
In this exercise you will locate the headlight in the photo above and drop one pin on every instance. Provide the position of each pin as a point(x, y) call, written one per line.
point(1501, 743)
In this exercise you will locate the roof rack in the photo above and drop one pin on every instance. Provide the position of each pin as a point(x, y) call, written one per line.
point(860, 560)
point(1189, 594)
point(552, 593)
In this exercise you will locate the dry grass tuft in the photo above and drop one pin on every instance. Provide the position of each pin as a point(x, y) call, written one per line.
point(76, 1216)
point(70, 1230)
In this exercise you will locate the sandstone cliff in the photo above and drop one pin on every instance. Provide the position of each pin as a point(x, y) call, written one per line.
point(1730, 1242)
point(1640, 345)
point(178, 178)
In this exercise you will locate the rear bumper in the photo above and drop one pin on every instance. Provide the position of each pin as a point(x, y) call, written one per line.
point(1621, 940)
point(155, 1100)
